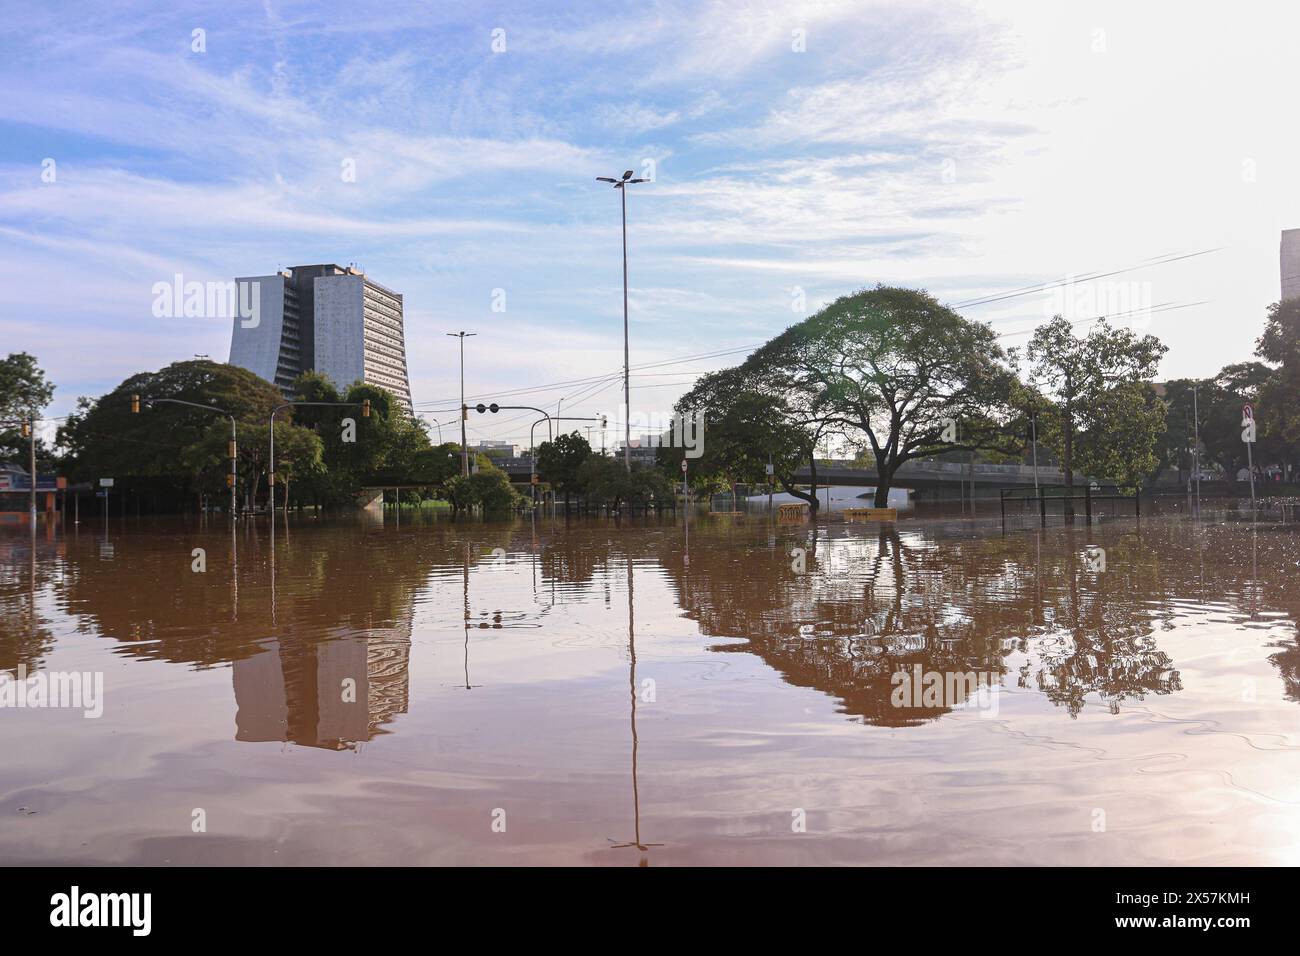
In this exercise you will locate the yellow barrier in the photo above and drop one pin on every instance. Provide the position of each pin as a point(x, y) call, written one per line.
point(793, 510)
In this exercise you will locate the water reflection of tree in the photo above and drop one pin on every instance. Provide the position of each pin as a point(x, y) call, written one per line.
point(27, 568)
point(875, 603)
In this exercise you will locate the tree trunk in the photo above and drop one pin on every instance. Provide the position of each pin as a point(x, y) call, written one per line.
point(884, 481)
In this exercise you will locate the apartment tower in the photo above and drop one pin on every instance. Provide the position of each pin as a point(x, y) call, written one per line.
point(328, 319)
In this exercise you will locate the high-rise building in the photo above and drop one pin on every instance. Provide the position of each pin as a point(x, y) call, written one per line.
point(323, 318)
point(1290, 261)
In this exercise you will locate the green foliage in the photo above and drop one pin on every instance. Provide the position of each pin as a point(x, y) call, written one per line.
point(103, 438)
point(1278, 394)
point(1122, 428)
point(489, 489)
point(1102, 417)
point(558, 462)
point(605, 481)
point(24, 393)
point(881, 369)
point(24, 388)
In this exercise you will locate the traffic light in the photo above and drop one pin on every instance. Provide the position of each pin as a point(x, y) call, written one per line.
point(464, 412)
point(135, 404)
point(27, 429)
point(230, 481)
point(365, 408)
point(480, 408)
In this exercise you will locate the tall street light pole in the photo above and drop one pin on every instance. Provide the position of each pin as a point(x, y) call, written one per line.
point(31, 449)
point(621, 186)
point(464, 411)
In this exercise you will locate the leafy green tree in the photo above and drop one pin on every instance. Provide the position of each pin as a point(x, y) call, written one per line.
point(493, 491)
point(558, 462)
point(746, 426)
point(488, 488)
point(1278, 395)
point(1095, 403)
point(605, 481)
point(383, 449)
point(24, 393)
point(157, 447)
point(1218, 402)
point(434, 466)
point(891, 366)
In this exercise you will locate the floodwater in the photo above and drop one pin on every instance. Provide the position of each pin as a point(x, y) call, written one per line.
point(593, 692)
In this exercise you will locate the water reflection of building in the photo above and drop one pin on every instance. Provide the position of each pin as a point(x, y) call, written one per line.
point(297, 689)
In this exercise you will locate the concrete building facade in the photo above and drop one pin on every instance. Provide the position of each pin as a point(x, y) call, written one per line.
point(328, 319)
point(1290, 263)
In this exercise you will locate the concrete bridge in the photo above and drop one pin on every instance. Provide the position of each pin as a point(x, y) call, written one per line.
point(929, 479)
point(942, 478)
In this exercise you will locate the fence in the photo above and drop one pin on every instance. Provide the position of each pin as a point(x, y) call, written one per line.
point(1042, 497)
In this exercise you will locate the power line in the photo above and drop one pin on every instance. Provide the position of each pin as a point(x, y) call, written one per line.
point(1087, 277)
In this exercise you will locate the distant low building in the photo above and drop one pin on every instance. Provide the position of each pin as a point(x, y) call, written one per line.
point(497, 449)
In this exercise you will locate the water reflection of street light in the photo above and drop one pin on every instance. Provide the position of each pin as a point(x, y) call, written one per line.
point(636, 794)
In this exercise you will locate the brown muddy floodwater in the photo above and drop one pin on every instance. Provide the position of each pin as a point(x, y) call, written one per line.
point(589, 692)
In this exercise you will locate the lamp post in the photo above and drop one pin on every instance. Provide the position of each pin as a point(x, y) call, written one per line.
point(231, 479)
point(31, 450)
point(464, 411)
point(621, 185)
point(270, 509)
point(436, 423)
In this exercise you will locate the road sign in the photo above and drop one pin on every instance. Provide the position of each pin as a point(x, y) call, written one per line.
point(106, 482)
point(1248, 411)
point(683, 466)
point(771, 470)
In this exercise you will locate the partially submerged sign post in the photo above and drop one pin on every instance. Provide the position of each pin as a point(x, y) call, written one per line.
point(1248, 436)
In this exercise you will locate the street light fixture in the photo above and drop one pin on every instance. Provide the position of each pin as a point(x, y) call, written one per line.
point(231, 479)
point(621, 185)
point(464, 411)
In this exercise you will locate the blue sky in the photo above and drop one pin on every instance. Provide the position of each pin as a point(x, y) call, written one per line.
point(967, 148)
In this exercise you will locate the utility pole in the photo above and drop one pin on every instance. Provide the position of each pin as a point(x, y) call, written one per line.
point(31, 448)
point(621, 186)
point(464, 409)
point(1033, 424)
point(1196, 448)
